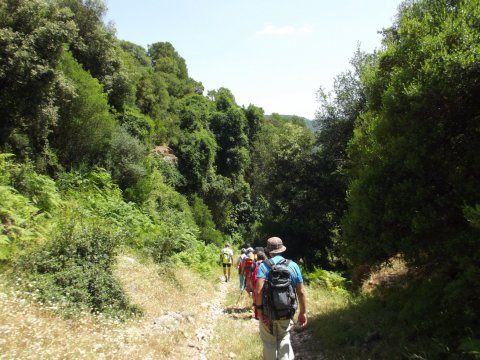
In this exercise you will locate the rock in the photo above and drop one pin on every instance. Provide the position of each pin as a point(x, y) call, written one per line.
point(5, 328)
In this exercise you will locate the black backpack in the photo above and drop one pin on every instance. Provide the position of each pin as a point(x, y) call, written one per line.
point(279, 296)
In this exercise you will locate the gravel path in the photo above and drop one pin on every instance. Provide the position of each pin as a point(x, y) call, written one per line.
point(198, 347)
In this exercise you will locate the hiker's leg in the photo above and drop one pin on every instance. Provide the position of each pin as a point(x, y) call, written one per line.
point(284, 346)
point(269, 343)
point(241, 281)
point(229, 267)
point(225, 271)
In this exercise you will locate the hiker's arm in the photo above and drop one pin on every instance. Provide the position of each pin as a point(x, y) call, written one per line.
point(258, 301)
point(258, 291)
point(302, 301)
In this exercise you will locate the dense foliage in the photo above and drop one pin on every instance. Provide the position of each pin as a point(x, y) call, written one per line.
point(415, 166)
point(105, 144)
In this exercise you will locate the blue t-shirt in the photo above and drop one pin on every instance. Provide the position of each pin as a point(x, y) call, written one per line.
point(297, 278)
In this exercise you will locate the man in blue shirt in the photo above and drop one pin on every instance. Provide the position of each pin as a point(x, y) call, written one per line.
point(275, 334)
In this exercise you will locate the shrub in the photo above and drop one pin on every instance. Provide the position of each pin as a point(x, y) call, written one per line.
point(20, 222)
point(40, 189)
point(74, 270)
point(329, 280)
point(201, 258)
point(203, 217)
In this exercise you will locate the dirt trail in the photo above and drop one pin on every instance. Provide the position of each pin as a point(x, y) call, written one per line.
point(198, 347)
point(302, 343)
point(199, 321)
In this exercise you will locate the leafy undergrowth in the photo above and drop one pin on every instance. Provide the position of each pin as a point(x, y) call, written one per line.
point(386, 321)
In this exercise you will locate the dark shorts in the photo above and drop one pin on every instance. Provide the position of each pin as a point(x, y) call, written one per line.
point(227, 265)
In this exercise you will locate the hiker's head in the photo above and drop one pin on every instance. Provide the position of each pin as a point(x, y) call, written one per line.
point(227, 245)
point(243, 251)
point(261, 255)
point(275, 246)
point(259, 249)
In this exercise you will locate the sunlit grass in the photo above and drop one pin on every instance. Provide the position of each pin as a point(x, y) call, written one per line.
point(236, 333)
point(171, 299)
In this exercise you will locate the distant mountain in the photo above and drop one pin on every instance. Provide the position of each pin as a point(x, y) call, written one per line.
point(309, 124)
point(299, 120)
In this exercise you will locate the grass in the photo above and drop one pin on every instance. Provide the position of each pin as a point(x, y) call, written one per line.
point(236, 333)
point(190, 316)
point(373, 324)
point(170, 300)
point(359, 326)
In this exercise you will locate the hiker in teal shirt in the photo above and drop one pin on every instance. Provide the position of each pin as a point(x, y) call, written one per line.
point(275, 334)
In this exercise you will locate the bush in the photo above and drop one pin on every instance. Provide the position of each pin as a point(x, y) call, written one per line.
point(203, 217)
point(20, 222)
point(201, 258)
point(126, 159)
point(40, 189)
point(74, 271)
point(329, 280)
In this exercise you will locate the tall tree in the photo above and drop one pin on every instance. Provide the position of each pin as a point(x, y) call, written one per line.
point(85, 126)
point(279, 164)
point(32, 34)
point(414, 181)
point(98, 50)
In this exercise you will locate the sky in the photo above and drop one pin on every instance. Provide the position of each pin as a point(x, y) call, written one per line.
point(274, 54)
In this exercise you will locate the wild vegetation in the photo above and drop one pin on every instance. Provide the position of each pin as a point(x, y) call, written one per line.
point(108, 149)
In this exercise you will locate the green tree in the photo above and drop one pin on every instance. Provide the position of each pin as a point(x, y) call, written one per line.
point(325, 180)
point(203, 217)
point(32, 34)
point(196, 157)
point(280, 163)
point(254, 117)
point(97, 49)
point(173, 69)
point(85, 126)
point(416, 167)
point(230, 129)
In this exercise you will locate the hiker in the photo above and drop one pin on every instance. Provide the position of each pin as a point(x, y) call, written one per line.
point(260, 258)
point(248, 263)
point(249, 250)
point(275, 323)
point(240, 263)
point(226, 258)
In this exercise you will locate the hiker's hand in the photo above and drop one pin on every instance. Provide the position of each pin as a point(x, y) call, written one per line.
point(302, 320)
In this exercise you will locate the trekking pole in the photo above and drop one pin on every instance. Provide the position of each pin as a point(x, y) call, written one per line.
point(239, 296)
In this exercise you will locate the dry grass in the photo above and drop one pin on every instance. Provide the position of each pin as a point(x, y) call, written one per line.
point(172, 301)
point(392, 272)
point(185, 317)
point(236, 333)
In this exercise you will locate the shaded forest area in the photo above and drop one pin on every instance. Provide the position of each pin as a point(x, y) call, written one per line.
point(105, 144)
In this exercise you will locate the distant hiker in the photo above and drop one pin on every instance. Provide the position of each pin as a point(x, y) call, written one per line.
point(240, 263)
point(248, 265)
point(226, 257)
point(260, 258)
point(249, 250)
point(278, 282)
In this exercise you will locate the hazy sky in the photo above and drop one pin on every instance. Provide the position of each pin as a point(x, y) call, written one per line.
point(274, 54)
